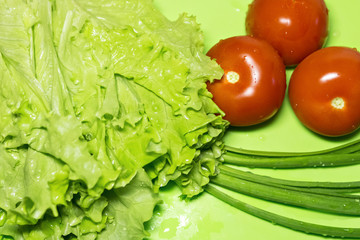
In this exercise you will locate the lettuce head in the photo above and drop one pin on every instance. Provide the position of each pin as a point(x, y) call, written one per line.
point(101, 104)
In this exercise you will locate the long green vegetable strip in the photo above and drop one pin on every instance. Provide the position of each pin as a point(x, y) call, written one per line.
point(350, 147)
point(325, 188)
point(321, 160)
point(319, 202)
point(270, 180)
point(330, 197)
point(343, 155)
point(337, 192)
point(294, 224)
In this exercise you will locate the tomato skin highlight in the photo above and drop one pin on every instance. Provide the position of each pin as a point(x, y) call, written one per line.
point(324, 91)
point(260, 88)
point(295, 28)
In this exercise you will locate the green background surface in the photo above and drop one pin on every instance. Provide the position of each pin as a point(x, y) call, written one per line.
point(208, 218)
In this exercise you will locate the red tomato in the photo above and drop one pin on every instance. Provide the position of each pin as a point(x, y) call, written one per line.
point(253, 86)
point(324, 91)
point(295, 28)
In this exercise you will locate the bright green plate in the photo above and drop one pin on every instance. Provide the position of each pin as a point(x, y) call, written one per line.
point(207, 218)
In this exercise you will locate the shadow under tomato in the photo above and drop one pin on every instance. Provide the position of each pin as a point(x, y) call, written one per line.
point(270, 122)
point(348, 137)
point(258, 126)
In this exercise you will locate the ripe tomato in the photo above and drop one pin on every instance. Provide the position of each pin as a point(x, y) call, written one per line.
point(324, 91)
point(295, 28)
point(253, 86)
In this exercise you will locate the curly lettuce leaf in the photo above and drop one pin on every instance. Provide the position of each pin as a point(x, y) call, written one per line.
point(118, 214)
point(92, 92)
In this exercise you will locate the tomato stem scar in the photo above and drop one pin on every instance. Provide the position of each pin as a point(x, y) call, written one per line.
point(338, 103)
point(232, 77)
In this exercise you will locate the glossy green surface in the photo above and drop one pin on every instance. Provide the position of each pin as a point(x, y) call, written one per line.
point(208, 218)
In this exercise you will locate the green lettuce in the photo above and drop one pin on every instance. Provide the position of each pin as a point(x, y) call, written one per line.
point(102, 103)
